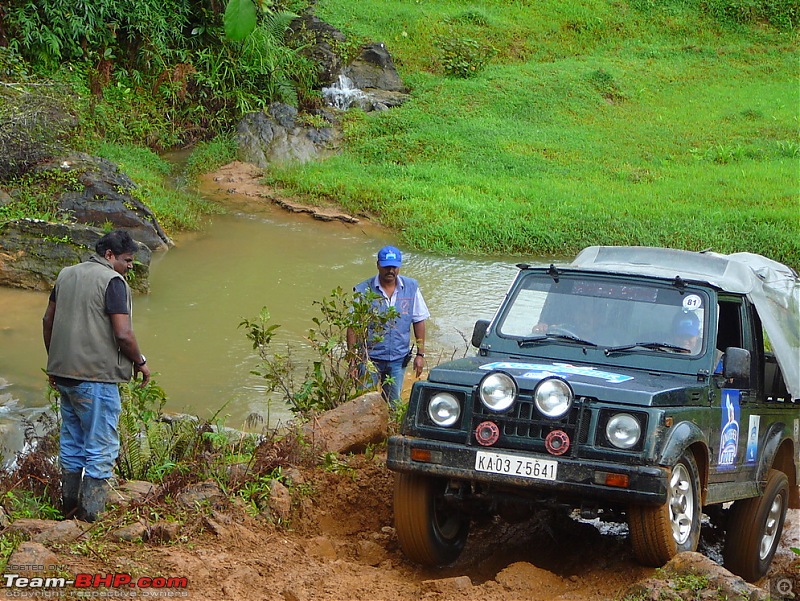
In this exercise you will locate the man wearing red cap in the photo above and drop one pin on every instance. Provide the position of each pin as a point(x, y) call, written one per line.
point(388, 353)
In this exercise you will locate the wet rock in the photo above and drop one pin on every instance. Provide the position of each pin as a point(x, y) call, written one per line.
point(30, 527)
point(106, 195)
point(32, 252)
point(293, 476)
point(315, 212)
point(370, 82)
point(199, 494)
point(351, 426)
point(715, 578)
point(164, 532)
point(64, 532)
point(370, 553)
point(374, 69)
point(277, 137)
point(215, 525)
point(280, 501)
point(31, 560)
point(316, 40)
point(131, 532)
point(133, 491)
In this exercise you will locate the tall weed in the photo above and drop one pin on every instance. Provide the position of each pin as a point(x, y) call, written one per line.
point(330, 379)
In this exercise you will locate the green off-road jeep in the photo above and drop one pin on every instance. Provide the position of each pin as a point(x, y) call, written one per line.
point(645, 382)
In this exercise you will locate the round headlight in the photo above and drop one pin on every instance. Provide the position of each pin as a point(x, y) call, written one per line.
point(553, 397)
point(623, 431)
point(498, 391)
point(444, 409)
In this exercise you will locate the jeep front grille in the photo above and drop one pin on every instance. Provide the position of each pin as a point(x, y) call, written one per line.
point(523, 427)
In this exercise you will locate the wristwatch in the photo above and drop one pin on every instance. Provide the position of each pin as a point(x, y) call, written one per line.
point(142, 362)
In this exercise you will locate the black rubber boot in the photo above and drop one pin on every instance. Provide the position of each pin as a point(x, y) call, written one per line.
point(70, 493)
point(94, 493)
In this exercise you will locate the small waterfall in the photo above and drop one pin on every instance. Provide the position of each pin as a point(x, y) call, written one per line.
point(342, 95)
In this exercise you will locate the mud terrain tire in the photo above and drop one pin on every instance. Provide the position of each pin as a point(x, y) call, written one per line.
point(430, 532)
point(754, 529)
point(659, 532)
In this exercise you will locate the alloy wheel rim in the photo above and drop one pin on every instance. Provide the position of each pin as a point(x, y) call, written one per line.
point(681, 504)
point(771, 526)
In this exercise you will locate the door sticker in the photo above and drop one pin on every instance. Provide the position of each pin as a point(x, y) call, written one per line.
point(752, 439)
point(729, 437)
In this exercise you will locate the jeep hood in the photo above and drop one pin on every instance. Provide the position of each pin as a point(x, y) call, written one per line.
point(627, 386)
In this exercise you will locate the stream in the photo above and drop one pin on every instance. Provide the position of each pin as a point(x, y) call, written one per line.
point(188, 326)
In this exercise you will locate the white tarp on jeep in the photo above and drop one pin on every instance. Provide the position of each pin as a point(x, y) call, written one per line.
point(772, 287)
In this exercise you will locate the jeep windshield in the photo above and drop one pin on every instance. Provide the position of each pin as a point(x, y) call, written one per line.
point(617, 314)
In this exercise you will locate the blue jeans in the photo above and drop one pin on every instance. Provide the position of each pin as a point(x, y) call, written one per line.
point(390, 375)
point(89, 437)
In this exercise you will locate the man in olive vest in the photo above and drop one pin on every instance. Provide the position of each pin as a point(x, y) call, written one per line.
point(91, 348)
point(388, 354)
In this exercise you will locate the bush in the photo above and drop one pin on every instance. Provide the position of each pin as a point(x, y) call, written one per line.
point(33, 128)
point(463, 57)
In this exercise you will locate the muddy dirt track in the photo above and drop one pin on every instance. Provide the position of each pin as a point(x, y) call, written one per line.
point(340, 545)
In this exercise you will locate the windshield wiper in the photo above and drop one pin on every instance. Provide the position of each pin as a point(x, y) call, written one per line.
point(652, 346)
point(532, 340)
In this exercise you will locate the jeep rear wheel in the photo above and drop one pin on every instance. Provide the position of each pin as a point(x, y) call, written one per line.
point(659, 532)
point(754, 529)
point(430, 531)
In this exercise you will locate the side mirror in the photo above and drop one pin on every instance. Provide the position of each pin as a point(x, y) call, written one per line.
point(736, 366)
point(479, 331)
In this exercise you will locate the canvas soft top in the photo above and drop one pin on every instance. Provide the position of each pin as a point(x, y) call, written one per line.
point(772, 287)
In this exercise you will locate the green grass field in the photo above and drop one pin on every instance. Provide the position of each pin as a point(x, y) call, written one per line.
point(593, 122)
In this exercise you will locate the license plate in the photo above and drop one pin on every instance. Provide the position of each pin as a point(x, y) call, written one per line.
point(501, 463)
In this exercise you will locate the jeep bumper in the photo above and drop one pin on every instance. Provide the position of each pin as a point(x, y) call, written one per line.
point(576, 479)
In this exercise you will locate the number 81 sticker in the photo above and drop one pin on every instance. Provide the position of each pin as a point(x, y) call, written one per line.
point(692, 302)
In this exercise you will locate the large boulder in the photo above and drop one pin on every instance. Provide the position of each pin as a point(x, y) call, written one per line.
point(374, 69)
point(277, 137)
point(32, 252)
point(104, 196)
point(351, 427)
point(317, 40)
point(370, 82)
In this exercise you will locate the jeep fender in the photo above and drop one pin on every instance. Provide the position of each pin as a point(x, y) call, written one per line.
point(772, 442)
point(680, 438)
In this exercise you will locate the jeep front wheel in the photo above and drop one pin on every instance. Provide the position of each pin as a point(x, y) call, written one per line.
point(754, 529)
point(430, 531)
point(659, 532)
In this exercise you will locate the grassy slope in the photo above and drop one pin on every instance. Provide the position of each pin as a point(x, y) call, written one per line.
point(595, 123)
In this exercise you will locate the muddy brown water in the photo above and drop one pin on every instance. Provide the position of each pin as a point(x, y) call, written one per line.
point(202, 289)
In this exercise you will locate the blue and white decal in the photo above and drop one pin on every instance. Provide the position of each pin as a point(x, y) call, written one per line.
point(537, 371)
point(729, 437)
point(693, 302)
point(752, 439)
